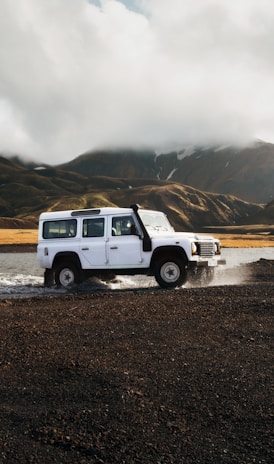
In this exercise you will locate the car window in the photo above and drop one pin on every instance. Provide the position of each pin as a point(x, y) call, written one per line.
point(60, 228)
point(94, 227)
point(123, 225)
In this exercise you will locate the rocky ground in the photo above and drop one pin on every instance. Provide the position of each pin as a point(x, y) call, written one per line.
point(181, 376)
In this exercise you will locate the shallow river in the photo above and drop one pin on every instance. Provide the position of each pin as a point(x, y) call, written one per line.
point(20, 274)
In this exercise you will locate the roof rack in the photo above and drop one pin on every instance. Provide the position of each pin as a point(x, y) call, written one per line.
point(85, 212)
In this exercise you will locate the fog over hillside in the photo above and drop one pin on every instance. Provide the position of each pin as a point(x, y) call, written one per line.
point(26, 192)
point(79, 75)
point(246, 172)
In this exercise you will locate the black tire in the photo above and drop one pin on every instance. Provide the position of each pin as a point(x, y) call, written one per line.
point(170, 272)
point(67, 274)
point(48, 278)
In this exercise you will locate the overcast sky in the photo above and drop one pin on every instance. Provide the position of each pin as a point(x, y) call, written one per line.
point(77, 75)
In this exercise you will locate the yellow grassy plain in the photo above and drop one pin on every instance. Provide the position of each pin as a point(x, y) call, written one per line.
point(244, 241)
point(18, 236)
point(30, 237)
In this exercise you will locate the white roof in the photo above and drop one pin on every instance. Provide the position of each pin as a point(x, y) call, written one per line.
point(84, 212)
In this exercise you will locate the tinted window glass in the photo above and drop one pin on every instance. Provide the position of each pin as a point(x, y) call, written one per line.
point(123, 225)
point(93, 227)
point(60, 229)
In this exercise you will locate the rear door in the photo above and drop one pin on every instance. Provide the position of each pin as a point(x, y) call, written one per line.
point(93, 242)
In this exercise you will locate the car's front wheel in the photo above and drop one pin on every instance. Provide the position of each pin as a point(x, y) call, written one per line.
point(66, 275)
point(170, 272)
point(201, 276)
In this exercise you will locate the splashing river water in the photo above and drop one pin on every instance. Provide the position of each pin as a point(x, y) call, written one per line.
point(21, 276)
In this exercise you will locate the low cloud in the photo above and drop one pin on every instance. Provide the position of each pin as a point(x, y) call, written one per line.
point(79, 75)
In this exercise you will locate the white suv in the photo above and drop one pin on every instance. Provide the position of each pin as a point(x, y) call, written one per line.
point(75, 245)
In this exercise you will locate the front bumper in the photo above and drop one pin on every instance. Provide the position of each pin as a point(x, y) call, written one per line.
point(213, 262)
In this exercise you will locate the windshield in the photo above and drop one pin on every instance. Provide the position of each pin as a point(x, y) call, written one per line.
point(155, 221)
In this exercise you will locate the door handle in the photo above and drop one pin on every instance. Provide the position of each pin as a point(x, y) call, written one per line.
point(114, 248)
point(84, 249)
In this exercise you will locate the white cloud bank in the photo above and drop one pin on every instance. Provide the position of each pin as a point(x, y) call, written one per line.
point(77, 74)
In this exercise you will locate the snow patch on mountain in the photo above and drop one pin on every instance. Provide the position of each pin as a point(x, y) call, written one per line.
point(181, 152)
point(171, 174)
point(188, 151)
point(222, 147)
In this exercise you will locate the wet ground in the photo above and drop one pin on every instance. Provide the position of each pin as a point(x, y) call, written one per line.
point(180, 376)
point(20, 275)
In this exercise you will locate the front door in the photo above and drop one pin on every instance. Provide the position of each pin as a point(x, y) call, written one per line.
point(124, 245)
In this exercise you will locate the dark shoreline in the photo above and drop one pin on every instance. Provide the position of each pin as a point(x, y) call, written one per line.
point(19, 248)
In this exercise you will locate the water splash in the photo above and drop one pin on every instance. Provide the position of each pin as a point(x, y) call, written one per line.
point(20, 275)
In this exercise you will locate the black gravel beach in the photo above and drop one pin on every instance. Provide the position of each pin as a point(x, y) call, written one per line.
point(151, 376)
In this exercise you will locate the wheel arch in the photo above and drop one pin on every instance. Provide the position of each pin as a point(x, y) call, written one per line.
point(67, 256)
point(168, 252)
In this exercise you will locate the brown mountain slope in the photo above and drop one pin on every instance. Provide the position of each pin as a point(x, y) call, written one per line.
point(187, 208)
point(247, 173)
point(115, 163)
point(8, 167)
point(26, 192)
point(15, 223)
point(264, 216)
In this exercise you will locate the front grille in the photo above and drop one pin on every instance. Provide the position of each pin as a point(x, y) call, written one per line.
point(206, 249)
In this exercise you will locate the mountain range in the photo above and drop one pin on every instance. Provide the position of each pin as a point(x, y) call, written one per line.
point(196, 187)
point(246, 172)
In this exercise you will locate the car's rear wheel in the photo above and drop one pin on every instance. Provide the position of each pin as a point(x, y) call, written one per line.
point(67, 274)
point(170, 272)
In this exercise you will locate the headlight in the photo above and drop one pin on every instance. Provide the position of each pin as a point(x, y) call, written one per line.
point(193, 248)
point(217, 248)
